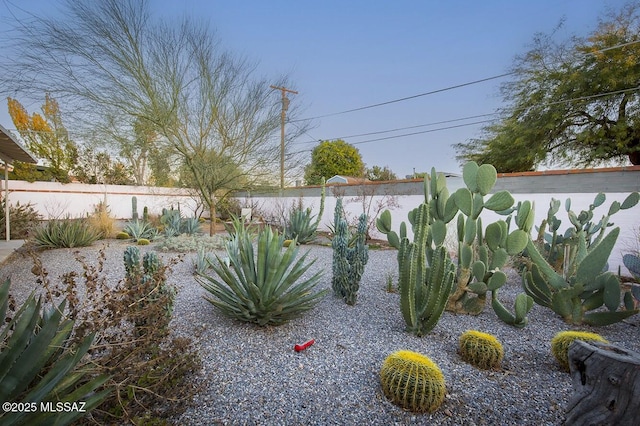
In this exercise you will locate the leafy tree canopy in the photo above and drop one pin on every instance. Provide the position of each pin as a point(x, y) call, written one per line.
point(572, 103)
point(379, 173)
point(46, 136)
point(330, 158)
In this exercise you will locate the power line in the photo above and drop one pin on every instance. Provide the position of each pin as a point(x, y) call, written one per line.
point(582, 98)
point(457, 86)
point(435, 123)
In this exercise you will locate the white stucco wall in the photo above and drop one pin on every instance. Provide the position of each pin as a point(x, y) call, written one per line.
point(53, 199)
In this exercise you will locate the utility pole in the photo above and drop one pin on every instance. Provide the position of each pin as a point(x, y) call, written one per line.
point(283, 115)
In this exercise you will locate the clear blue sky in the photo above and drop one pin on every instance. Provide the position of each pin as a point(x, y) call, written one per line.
point(342, 55)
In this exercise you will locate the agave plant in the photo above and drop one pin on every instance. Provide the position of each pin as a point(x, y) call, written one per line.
point(262, 288)
point(190, 225)
point(203, 261)
point(38, 364)
point(66, 232)
point(138, 229)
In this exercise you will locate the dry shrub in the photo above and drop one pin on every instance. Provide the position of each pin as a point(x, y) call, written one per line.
point(102, 221)
point(149, 368)
point(22, 219)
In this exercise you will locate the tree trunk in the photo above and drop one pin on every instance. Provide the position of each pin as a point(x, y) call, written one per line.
point(212, 217)
point(606, 383)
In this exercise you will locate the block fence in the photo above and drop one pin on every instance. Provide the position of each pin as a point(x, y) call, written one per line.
point(54, 200)
point(539, 187)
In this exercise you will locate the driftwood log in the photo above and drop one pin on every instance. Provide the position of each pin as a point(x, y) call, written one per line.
point(606, 383)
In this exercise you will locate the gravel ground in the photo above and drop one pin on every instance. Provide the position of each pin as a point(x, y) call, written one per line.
point(252, 375)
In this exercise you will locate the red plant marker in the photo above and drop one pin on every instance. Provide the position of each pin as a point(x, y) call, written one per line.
point(304, 346)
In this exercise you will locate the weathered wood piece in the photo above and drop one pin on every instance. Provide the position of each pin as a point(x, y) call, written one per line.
point(606, 383)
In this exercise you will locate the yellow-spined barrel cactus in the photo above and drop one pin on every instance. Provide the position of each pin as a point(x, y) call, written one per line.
point(563, 339)
point(412, 381)
point(481, 349)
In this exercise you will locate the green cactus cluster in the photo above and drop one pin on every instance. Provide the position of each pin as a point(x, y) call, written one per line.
point(584, 288)
point(480, 349)
point(557, 246)
point(412, 381)
point(632, 263)
point(562, 340)
point(350, 255)
point(481, 254)
point(148, 277)
point(424, 287)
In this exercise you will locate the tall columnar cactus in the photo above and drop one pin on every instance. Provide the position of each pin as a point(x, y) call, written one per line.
point(423, 289)
point(632, 263)
point(481, 255)
point(586, 287)
point(134, 208)
point(350, 255)
point(412, 381)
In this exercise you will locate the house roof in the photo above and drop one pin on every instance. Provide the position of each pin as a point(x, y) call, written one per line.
point(346, 179)
point(11, 150)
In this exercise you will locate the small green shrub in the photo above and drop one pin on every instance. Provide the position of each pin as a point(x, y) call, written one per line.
point(412, 381)
point(563, 339)
point(143, 242)
point(59, 233)
point(191, 243)
point(262, 288)
point(122, 236)
point(480, 349)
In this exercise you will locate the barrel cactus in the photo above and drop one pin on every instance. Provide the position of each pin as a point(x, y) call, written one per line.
point(562, 340)
point(412, 381)
point(481, 349)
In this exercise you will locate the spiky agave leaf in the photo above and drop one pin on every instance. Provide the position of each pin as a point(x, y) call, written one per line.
point(261, 286)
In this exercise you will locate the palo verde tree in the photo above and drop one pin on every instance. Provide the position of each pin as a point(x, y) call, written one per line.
point(118, 65)
point(330, 158)
point(573, 102)
point(46, 136)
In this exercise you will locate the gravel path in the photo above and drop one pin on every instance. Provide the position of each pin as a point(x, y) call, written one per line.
point(252, 375)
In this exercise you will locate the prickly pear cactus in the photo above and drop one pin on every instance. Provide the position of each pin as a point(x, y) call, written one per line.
point(481, 254)
point(412, 381)
point(480, 349)
point(563, 339)
point(578, 294)
point(560, 248)
point(350, 255)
